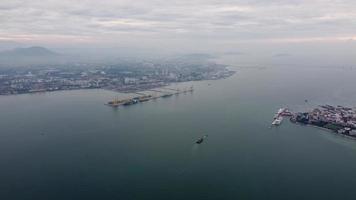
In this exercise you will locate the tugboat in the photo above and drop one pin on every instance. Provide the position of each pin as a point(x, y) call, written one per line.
point(200, 140)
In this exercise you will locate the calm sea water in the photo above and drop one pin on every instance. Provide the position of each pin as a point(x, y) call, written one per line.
point(69, 145)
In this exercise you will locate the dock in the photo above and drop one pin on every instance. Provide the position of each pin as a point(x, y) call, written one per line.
point(145, 97)
point(139, 93)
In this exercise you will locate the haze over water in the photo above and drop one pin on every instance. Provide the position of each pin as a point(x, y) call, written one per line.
point(69, 145)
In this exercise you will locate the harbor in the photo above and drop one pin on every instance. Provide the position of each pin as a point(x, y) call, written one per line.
point(143, 97)
point(153, 143)
point(338, 119)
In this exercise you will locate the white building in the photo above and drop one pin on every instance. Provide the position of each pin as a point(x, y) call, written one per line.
point(130, 81)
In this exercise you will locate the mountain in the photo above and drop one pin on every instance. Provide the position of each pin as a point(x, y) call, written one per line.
point(282, 55)
point(31, 56)
point(30, 51)
point(200, 56)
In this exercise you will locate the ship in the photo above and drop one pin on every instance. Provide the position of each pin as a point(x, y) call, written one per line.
point(281, 112)
point(286, 113)
point(116, 102)
point(131, 102)
point(145, 98)
point(200, 140)
point(277, 121)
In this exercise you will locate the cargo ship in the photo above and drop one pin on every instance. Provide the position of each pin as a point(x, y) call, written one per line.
point(145, 98)
point(131, 102)
point(116, 102)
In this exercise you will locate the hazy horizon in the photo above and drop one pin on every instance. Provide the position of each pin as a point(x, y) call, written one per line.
point(313, 32)
point(177, 99)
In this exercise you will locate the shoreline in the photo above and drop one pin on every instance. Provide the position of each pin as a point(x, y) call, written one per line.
point(118, 91)
point(338, 119)
point(324, 129)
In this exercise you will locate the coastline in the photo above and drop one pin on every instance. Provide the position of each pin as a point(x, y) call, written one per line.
point(324, 129)
point(126, 89)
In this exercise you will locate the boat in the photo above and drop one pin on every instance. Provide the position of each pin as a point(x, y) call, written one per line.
point(277, 121)
point(130, 102)
point(200, 140)
point(145, 98)
point(287, 113)
point(116, 102)
point(280, 112)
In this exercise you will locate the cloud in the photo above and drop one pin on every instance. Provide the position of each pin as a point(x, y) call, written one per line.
point(219, 20)
point(279, 55)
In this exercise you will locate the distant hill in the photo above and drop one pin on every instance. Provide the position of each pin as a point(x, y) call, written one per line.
point(197, 56)
point(31, 56)
point(282, 55)
point(30, 51)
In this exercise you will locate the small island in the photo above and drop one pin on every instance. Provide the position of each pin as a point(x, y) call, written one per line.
point(339, 119)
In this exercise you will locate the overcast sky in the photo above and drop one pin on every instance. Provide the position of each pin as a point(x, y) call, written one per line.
point(169, 23)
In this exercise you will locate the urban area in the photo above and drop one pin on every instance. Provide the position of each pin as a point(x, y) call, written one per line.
point(339, 119)
point(122, 77)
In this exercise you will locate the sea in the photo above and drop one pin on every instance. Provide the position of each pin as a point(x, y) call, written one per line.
point(69, 145)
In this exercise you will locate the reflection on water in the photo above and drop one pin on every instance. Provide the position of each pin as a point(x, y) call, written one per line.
point(195, 150)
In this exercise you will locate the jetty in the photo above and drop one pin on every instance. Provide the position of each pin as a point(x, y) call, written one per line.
point(145, 97)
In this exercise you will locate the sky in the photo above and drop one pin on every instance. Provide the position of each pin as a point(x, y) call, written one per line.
point(197, 25)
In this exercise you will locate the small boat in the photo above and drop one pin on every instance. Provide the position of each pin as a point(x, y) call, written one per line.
point(200, 140)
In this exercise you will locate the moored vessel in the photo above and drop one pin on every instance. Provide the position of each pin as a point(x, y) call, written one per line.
point(277, 121)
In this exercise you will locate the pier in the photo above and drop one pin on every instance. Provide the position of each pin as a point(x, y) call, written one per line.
point(177, 90)
point(157, 91)
point(145, 97)
point(139, 93)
